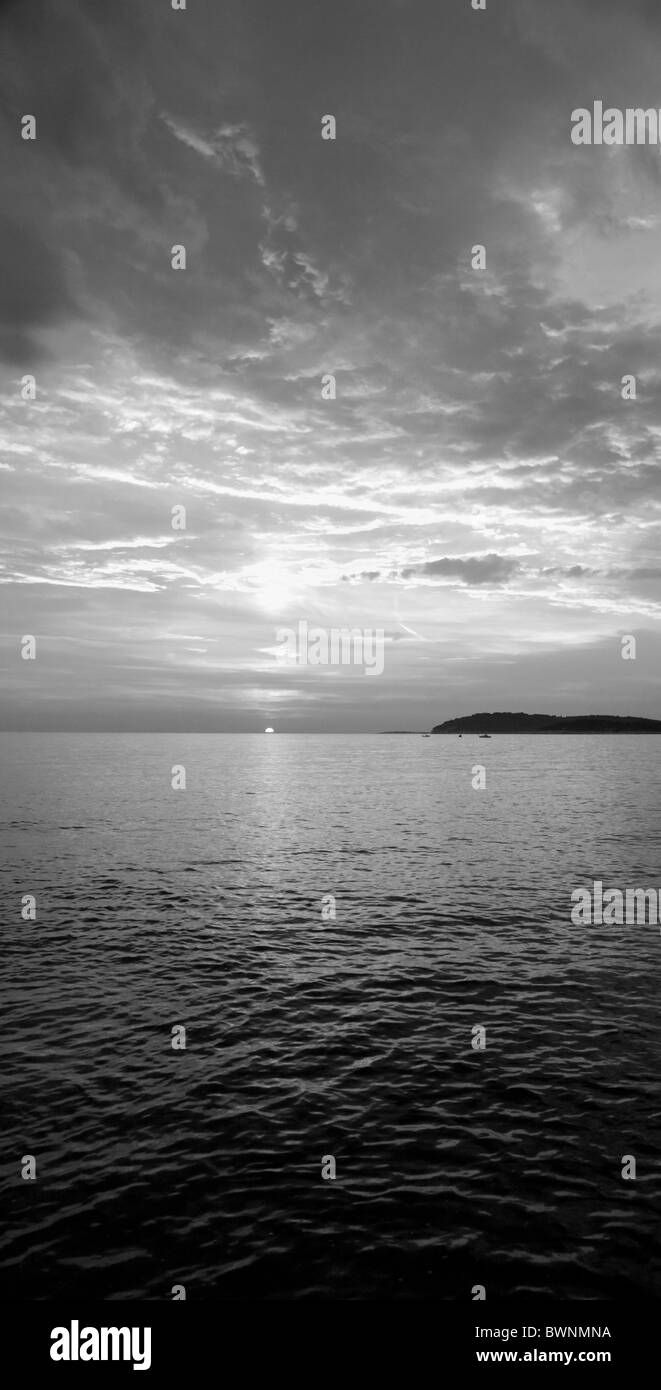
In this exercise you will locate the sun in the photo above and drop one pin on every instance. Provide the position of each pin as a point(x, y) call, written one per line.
point(272, 587)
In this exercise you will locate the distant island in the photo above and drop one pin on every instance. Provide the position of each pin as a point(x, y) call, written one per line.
point(509, 723)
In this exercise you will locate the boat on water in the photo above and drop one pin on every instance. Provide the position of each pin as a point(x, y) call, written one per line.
point(482, 735)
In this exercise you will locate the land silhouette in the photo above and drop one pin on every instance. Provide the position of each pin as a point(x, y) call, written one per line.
point(509, 723)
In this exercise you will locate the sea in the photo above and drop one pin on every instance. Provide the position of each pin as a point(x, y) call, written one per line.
point(407, 1074)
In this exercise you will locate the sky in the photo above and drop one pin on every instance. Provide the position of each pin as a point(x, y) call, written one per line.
point(478, 490)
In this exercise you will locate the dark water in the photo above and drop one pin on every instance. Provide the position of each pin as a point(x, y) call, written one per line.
point(350, 1037)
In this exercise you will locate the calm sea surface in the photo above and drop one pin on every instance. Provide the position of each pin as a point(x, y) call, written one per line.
point(348, 1037)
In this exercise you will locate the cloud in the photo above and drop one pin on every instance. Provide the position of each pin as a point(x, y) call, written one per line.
point(232, 147)
point(477, 441)
point(34, 292)
point(474, 569)
point(570, 572)
point(469, 570)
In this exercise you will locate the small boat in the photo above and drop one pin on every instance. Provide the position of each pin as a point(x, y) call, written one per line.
point(485, 735)
point(461, 736)
point(426, 735)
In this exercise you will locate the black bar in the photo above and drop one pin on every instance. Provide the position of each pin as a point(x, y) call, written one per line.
point(197, 1340)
